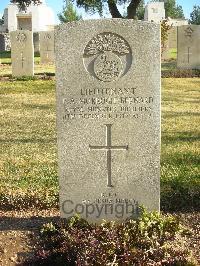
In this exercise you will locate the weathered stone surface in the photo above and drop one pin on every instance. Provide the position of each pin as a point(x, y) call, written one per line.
point(188, 47)
point(47, 53)
point(108, 117)
point(4, 42)
point(170, 44)
point(154, 12)
point(36, 42)
point(22, 53)
point(172, 38)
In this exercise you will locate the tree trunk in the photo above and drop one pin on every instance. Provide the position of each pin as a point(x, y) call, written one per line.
point(131, 9)
point(113, 9)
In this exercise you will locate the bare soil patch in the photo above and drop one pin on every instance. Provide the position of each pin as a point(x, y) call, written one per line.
point(19, 231)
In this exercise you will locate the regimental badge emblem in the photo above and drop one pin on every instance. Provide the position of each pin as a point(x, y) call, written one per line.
point(47, 36)
point(107, 57)
point(189, 32)
point(21, 37)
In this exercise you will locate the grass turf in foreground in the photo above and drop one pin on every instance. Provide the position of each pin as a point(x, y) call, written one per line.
point(28, 140)
point(180, 157)
point(28, 159)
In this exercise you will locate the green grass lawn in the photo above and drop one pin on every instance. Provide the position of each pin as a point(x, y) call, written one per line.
point(28, 159)
point(6, 69)
point(173, 53)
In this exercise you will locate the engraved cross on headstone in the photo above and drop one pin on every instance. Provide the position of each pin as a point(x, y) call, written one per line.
point(47, 38)
point(22, 59)
point(188, 54)
point(108, 148)
point(47, 52)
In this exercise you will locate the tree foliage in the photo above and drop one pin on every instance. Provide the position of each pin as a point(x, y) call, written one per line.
point(165, 27)
point(140, 10)
point(173, 10)
point(93, 6)
point(195, 15)
point(23, 4)
point(96, 6)
point(69, 13)
point(2, 20)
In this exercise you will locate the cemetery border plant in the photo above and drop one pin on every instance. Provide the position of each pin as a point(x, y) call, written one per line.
point(69, 13)
point(165, 27)
point(195, 15)
point(181, 73)
point(153, 239)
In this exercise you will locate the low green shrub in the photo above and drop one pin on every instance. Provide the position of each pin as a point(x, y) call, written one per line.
point(179, 73)
point(153, 239)
point(25, 78)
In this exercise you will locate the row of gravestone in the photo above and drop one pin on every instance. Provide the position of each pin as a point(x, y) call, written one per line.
point(108, 115)
point(186, 39)
point(22, 51)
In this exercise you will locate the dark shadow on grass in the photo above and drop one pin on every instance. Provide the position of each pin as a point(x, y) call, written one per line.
point(41, 106)
point(169, 65)
point(23, 224)
point(6, 63)
point(176, 114)
point(180, 136)
point(49, 74)
point(177, 196)
point(32, 140)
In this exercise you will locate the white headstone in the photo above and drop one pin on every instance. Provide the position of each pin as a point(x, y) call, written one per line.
point(188, 56)
point(155, 12)
point(47, 53)
point(36, 18)
point(108, 117)
point(22, 53)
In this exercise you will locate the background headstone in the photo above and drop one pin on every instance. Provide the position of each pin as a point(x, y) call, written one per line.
point(170, 45)
point(154, 11)
point(47, 53)
point(2, 43)
point(36, 42)
point(22, 53)
point(172, 38)
point(165, 52)
point(188, 56)
point(108, 117)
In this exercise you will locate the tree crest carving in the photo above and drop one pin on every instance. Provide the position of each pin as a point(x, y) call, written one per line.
point(107, 56)
point(21, 37)
point(107, 42)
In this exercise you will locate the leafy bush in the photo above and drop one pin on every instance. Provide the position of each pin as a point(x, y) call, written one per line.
point(153, 239)
point(165, 27)
point(25, 78)
point(178, 73)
